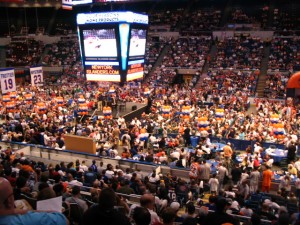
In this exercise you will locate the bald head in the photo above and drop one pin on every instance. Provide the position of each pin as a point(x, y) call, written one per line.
point(147, 201)
point(6, 196)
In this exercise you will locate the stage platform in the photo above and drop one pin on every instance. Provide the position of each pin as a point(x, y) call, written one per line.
point(125, 110)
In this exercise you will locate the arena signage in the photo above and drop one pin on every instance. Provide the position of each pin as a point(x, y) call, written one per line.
point(112, 17)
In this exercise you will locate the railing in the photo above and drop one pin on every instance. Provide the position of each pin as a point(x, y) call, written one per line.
point(50, 155)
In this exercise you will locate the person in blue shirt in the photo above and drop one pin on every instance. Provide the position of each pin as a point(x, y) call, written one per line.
point(10, 215)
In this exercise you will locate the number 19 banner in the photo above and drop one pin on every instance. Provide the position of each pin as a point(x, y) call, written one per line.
point(36, 74)
point(8, 81)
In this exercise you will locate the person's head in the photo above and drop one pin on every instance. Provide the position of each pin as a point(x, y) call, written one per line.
point(58, 189)
point(147, 201)
point(107, 199)
point(46, 193)
point(75, 190)
point(175, 206)
point(222, 204)
point(190, 208)
point(7, 195)
point(141, 216)
point(168, 215)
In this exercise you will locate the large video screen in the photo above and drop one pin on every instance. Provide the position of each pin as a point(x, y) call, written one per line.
point(100, 43)
point(137, 42)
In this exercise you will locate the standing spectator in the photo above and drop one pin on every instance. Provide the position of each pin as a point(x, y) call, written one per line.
point(214, 184)
point(254, 180)
point(222, 176)
point(266, 180)
point(187, 136)
point(291, 152)
point(204, 172)
point(194, 170)
point(227, 151)
point(94, 166)
point(89, 177)
point(236, 174)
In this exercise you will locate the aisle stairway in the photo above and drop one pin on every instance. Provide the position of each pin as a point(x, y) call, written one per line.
point(212, 53)
point(158, 61)
point(263, 72)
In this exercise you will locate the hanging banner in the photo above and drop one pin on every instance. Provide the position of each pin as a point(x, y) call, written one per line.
point(8, 81)
point(36, 74)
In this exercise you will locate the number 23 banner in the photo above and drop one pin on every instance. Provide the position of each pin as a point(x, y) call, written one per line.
point(8, 81)
point(36, 74)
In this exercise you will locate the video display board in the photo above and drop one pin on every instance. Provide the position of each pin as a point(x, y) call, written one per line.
point(100, 43)
point(112, 45)
point(137, 42)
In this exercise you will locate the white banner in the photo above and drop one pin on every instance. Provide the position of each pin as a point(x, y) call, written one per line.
point(8, 81)
point(36, 74)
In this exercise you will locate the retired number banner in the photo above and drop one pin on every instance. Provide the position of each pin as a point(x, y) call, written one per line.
point(8, 81)
point(36, 74)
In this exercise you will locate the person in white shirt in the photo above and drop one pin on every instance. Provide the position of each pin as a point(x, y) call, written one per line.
point(175, 154)
point(135, 121)
point(109, 173)
point(73, 182)
point(153, 139)
point(214, 184)
point(83, 166)
point(120, 121)
point(46, 138)
point(206, 149)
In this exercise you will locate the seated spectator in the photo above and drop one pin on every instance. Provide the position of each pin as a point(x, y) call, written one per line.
point(220, 216)
point(76, 198)
point(141, 216)
point(10, 215)
point(125, 189)
point(246, 211)
point(104, 211)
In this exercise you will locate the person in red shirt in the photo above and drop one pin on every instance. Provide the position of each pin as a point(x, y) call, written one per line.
point(256, 163)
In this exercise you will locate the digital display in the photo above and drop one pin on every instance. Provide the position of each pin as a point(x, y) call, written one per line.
point(102, 71)
point(135, 70)
point(100, 43)
point(137, 42)
point(112, 45)
point(111, 17)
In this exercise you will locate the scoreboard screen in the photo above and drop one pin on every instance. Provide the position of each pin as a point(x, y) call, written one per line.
point(137, 42)
point(100, 43)
point(112, 45)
